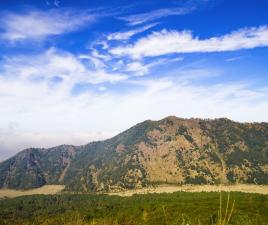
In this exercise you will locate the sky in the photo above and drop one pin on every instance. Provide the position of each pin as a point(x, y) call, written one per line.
point(72, 72)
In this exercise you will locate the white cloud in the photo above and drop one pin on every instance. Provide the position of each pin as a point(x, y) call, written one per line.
point(38, 95)
point(42, 116)
point(37, 25)
point(11, 143)
point(102, 76)
point(139, 68)
point(102, 88)
point(235, 58)
point(166, 42)
point(53, 63)
point(97, 59)
point(96, 62)
point(126, 35)
point(40, 108)
point(42, 112)
point(154, 15)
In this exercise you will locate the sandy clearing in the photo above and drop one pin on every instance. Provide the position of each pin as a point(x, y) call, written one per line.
point(55, 189)
point(45, 190)
point(247, 188)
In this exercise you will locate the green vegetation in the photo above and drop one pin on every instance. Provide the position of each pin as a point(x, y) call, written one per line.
point(184, 131)
point(166, 209)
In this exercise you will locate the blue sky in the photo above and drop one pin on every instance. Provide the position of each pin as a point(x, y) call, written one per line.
point(73, 72)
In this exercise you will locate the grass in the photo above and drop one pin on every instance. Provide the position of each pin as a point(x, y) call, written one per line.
point(224, 219)
point(178, 208)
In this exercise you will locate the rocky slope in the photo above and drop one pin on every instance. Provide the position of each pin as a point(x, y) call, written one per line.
point(172, 150)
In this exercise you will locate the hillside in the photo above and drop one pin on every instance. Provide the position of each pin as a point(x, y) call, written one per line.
point(169, 151)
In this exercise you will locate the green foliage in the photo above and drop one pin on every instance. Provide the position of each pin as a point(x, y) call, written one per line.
point(196, 180)
point(151, 209)
point(214, 156)
point(182, 130)
point(189, 138)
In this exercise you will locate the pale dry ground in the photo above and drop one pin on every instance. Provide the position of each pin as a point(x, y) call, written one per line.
point(247, 188)
point(55, 189)
point(45, 190)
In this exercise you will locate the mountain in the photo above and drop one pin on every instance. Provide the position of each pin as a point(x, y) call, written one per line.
point(171, 150)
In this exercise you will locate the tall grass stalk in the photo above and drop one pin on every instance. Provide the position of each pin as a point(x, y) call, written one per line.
point(224, 220)
point(165, 215)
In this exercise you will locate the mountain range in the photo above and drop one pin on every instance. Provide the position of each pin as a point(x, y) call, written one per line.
point(169, 151)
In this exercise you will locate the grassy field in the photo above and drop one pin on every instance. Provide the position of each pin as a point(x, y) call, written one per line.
point(179, 208)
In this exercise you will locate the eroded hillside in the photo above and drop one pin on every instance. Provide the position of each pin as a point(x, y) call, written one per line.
point(170, 151)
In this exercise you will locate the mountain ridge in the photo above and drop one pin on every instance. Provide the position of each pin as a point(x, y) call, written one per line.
point(171, 150)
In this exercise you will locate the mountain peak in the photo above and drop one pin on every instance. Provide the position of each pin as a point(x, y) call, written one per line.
point(171, 150)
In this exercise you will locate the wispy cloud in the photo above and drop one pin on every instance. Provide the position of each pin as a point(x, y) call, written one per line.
point(53, 2)
point(60, 96)
point(139, 68)
point(37, 25)
point(127, 34)
point(154, 15)
point(39, 107)
point(235, 58)
point(166, 42)
point(68, 68)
